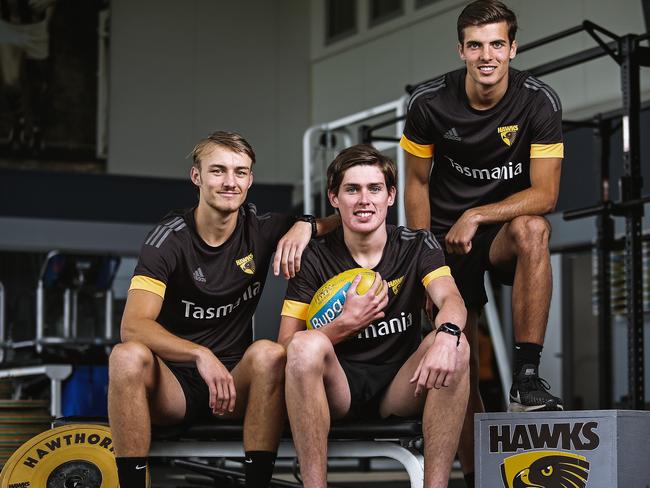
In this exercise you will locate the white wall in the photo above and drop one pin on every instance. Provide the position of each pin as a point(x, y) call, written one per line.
point(374, 65)
point(180, 70)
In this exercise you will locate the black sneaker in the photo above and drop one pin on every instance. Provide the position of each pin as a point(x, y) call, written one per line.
point(530, 393)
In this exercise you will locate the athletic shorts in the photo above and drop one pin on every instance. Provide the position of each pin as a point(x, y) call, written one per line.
point(468, 269)
point(368, 383)
point(197, 394)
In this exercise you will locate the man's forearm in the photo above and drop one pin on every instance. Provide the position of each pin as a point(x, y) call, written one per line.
point(531, 201)
point(452, 309)
point(327, 224)
point(162, 342)
point(418, 213)
point(338, 330)
point(416, 195)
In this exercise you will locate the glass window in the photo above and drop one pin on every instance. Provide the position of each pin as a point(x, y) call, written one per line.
point(383, 10)
point(341, 20)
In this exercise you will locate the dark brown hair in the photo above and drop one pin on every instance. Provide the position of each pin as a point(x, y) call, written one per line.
point(229, 140)
point(361, 154)
point(482, 12)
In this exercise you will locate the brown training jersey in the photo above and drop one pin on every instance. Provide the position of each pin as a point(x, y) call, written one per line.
point(410, 260)
point(480, 156)
point(210, 293)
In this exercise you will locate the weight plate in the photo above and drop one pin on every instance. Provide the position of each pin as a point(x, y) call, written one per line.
point(79, 455)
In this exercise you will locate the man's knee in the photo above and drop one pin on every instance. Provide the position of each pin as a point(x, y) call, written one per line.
point(530, 232)
point(130, 361)
point(267, 358)
point(306, 353)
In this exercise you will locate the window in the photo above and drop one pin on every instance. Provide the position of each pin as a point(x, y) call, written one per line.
point(341, 19)
point(383, 10)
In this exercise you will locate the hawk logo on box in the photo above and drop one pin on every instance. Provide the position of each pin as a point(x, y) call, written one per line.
point(545, 469)
point(581, 436)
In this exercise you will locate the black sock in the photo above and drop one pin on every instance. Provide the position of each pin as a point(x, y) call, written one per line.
point(132, 472)
point(469, 479)
point(527, 353)
point(258, 467)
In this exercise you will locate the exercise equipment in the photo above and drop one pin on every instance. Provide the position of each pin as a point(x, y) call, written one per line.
point(70, 275)
point(590, 448)
point(19, 421)
point(397, 439)
point(70, 455)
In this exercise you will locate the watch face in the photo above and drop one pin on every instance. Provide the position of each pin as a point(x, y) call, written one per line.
point(451, 328)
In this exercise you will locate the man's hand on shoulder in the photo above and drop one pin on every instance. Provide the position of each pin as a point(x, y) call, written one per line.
point(290, 248)
point(219, 381)
point(439, 365)
point(459, 238)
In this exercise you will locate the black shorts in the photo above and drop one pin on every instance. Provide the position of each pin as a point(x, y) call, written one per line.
point(368, 383)
point(197, 394)
point(468, 269)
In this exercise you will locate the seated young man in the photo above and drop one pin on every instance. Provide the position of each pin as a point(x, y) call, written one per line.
point(362, 364)
point(188, 351)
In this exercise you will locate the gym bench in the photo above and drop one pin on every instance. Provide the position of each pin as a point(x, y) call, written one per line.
point(392, 438)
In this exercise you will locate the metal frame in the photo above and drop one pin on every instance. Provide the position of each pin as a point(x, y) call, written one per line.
point(3, 330)
point(69, 332)
point(398, 107)
point(411, 459)
point(630, 56)
point(55, 372)
point(498, 340)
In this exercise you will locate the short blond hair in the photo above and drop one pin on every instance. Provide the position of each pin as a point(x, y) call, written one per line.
point(229, 140)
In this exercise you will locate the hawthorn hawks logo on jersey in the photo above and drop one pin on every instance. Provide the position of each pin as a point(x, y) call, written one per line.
point(396, 284)
point(508, 133)
point(247, 264)
point(545, 469)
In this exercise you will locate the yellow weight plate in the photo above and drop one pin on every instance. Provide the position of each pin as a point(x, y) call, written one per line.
point(71, 455)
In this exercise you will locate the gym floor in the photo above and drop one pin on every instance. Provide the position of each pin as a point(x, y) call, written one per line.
point(165, 476)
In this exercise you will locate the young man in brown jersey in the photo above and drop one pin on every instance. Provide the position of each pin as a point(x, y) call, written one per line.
point(496, 137)
point(187, 352)
point(371, 359)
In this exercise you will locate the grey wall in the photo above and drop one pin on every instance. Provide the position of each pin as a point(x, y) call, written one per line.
point(182, 69)
point(373, 66)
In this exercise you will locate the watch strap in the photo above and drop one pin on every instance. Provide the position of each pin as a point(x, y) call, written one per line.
point(310, 219)
point(452, 329)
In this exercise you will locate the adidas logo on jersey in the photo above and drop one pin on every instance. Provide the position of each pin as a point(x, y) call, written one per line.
point(198, 275)
point(452, 134)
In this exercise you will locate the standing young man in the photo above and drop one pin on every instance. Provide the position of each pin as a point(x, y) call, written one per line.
point(187, 352)
point(495, 134)
point(371, 360)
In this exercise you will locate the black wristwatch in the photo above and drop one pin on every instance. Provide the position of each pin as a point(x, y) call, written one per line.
point(452, 329)
point(310, 219)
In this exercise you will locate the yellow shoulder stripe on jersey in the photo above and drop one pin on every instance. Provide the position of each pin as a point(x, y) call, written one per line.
point(436, 273)
point(140, 282)
point(297, 310)
point(419, 150)
point(547, 150)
